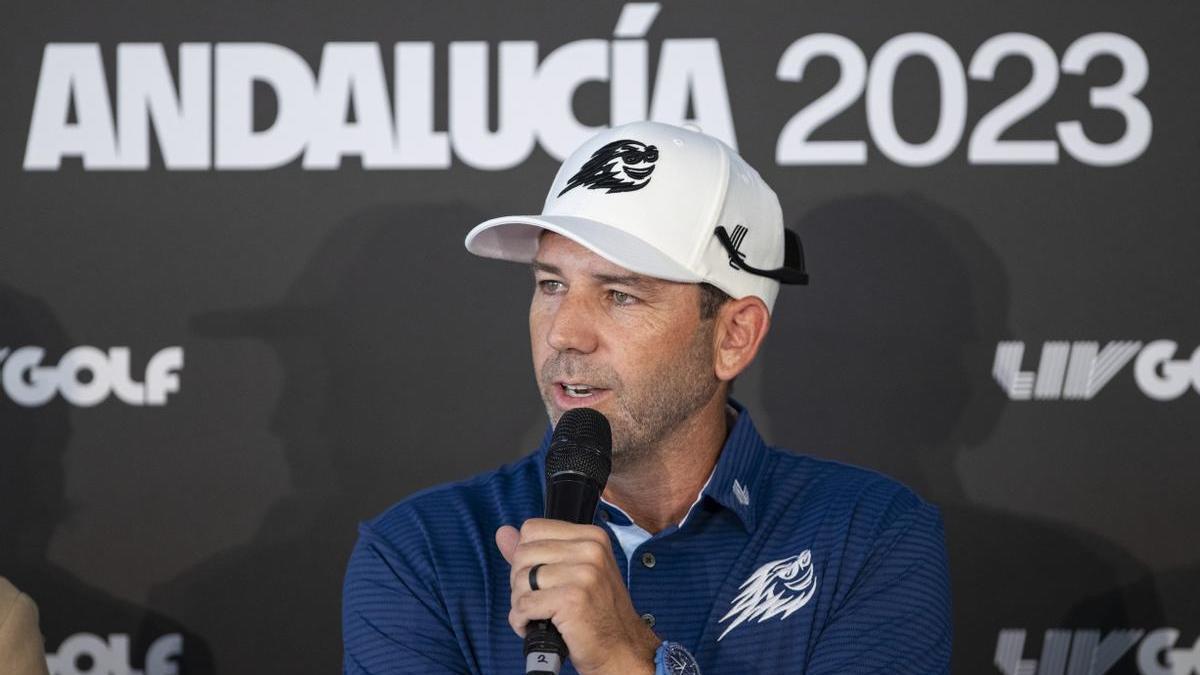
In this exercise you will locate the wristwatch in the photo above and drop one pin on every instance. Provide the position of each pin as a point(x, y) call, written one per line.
point(673, 659)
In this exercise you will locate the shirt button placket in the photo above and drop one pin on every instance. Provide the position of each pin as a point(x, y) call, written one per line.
point(648, 561)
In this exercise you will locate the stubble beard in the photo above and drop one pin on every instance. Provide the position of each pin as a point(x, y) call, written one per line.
point(654, 408)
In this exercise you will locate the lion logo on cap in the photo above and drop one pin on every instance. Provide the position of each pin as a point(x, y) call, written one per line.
point(620, 166)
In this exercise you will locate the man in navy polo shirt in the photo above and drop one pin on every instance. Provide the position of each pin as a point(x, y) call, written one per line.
point(657, 259)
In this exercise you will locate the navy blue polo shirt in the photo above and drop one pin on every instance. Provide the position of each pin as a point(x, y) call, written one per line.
point(785, 564)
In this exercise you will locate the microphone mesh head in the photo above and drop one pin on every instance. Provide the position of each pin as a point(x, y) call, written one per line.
point(582, 443)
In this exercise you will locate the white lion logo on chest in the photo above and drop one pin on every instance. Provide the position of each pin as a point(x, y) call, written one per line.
point(778, 587)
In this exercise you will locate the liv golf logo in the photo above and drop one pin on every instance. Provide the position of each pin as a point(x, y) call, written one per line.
point(1079, 370)
point(86, 376)
point(1064, 650)
point(88, 654)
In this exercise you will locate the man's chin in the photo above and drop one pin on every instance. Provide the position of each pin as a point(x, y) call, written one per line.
point(623, 457)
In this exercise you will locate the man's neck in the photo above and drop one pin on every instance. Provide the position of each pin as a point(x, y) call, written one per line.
point(657, 491)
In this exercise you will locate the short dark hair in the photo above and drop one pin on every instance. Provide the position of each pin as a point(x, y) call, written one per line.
point(711, 299)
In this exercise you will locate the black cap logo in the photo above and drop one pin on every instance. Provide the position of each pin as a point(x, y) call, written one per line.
point(620, 166)
point(739, 233)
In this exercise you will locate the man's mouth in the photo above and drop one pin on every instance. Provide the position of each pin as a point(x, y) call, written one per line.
point(579, 390)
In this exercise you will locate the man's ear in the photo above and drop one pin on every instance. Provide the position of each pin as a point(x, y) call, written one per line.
point(740, 328)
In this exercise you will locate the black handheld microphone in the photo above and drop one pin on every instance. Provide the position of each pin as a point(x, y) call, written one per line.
point(577, 468)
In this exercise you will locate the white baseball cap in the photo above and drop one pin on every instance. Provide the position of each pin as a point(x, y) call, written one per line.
point(664, 201)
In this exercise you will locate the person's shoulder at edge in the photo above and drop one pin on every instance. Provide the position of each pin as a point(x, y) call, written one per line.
point(21, 648)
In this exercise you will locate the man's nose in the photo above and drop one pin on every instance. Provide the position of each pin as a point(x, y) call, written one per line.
point(572, 327)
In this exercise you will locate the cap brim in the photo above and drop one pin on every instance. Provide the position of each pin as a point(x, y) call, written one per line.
point(515, 238)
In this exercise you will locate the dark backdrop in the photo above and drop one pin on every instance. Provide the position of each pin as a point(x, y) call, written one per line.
point(337, 349)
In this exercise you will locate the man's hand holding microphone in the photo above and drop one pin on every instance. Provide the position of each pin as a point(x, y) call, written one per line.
point(567, 592)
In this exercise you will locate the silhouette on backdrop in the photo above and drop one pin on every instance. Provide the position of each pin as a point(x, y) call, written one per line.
point(892, 349)
point(33, 503)
point(398, 353)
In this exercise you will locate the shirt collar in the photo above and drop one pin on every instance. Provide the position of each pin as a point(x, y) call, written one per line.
point(735, 482)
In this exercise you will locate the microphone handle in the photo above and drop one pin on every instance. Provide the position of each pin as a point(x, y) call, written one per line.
point(545, 649)
point(572, 497)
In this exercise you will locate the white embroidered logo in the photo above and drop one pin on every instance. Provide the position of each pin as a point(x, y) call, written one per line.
point(779, 587)
point(741, 493)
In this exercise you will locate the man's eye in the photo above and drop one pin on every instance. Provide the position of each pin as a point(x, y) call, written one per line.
point(624, 299)
point(549, 285)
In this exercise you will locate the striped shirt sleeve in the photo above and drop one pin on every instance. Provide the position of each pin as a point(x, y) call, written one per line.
point(393, 619)
point(895, 618)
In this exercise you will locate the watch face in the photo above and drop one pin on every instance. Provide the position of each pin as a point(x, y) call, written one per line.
point(679, 662)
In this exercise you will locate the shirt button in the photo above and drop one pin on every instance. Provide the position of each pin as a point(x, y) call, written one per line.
point(649, 619)
point(648, 559)
point(604, 516)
